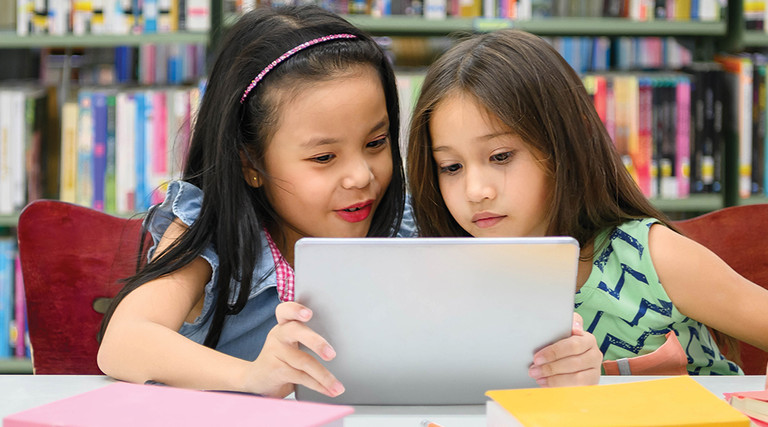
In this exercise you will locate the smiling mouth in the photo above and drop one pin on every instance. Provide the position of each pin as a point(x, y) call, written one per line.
point(357, 212)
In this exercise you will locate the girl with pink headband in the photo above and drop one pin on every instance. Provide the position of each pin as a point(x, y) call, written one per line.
point(297, 135)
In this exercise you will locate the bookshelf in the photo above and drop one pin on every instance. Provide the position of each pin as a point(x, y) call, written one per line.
point(98, 40)
point(70, 48)
point(727, 33)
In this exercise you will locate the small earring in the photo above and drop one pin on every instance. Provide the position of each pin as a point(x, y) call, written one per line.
point(255, 178)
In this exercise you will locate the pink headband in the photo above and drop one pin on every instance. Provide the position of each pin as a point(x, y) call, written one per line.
point(287, 55)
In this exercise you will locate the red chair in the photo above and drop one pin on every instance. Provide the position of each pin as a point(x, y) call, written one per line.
point(739, 235)
point(71, 259)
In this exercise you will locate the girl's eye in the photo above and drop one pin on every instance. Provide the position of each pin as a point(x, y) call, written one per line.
point(323, 159)
point(377, 143)
point(450, 169)
point(502, 157)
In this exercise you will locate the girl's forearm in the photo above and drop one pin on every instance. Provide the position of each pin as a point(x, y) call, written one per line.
point(139, 352)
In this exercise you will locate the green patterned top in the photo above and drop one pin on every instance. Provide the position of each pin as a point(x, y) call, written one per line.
point(628, 311)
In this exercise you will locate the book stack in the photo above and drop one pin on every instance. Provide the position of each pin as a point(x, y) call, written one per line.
point(753, 404)
point(678, 401)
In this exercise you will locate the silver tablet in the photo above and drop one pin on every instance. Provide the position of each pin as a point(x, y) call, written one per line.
point(432, 321)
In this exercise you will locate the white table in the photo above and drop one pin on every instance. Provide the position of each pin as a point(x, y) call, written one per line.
point(19, 392)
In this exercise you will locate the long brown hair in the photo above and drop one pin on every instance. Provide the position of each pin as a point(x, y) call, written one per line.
point(522, 80)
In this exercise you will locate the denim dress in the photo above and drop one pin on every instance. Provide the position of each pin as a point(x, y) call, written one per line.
point(242, 335)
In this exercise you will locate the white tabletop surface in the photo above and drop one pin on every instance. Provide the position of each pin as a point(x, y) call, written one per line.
point(19, 392)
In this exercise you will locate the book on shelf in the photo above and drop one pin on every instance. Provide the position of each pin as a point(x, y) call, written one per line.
point(83, 180)
point(21, 349)
point(739, 80)
point(22, 136)
point(677, 401)
point(7, 285)
point(68, 169)
point(753, 404)
point(759, 134)
point(707, 103)
point(683, 136)
point(125, 404)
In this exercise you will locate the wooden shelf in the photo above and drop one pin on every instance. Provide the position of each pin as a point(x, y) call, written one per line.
point(15, 366)
point(694, 203)
point(9, 220)
point(11, 40)
point(754, 38)
point(754, 200)
point(418, 26)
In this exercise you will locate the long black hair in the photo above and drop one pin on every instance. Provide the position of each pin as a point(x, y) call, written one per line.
point(233, 213)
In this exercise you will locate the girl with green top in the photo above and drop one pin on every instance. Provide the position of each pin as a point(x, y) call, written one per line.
point(505, 142)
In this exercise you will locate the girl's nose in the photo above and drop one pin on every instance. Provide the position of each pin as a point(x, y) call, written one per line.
point(478, 187)
point(358, 175)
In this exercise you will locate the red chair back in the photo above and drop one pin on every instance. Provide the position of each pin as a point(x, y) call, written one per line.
point(739, 235)
point(71, 260)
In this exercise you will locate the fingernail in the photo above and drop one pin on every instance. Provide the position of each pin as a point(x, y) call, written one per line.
point(337, 388)
point(577, 325)
point(305, 314)
point(329, 352)
point(538, 360)
point(542, 382)
point(534, 372)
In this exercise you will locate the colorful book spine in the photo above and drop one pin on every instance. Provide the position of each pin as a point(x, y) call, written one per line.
point(758, 125)
point(17, 149)
point(642, 157)
point(745, 82)
point(6, 177)
point(150, 15)
point(683, 137)
point(20, 311)
point(140, 150)
point(99, 102)
point(84, 180)
point(125, 152)
point(6, 295)
point(110, 193)
point(159, 157)
point(68, 165)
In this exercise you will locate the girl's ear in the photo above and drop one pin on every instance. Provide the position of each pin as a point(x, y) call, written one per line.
point(253, 178)
point(251, 175)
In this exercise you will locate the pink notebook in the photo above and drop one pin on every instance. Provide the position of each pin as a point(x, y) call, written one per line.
point(125, 404)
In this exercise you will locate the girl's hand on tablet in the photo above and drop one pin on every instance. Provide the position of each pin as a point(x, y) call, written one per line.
point(572, 361)
point(281, 364)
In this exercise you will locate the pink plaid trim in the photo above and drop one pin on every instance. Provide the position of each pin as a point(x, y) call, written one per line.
point(283, 271)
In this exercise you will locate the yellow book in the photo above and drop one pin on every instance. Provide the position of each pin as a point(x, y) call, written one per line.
point(68, 170)
point(677, 401)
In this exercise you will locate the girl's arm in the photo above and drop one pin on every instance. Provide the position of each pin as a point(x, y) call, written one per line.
point(703, 287)
point(142, 343)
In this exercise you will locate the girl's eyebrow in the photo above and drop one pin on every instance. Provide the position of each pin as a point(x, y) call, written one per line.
point(483, 138)
point(495, 135)
point(382, 124)
point(318, 142)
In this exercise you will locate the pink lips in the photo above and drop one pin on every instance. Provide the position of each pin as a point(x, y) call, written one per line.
point(487, 219)
point(357, 212)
